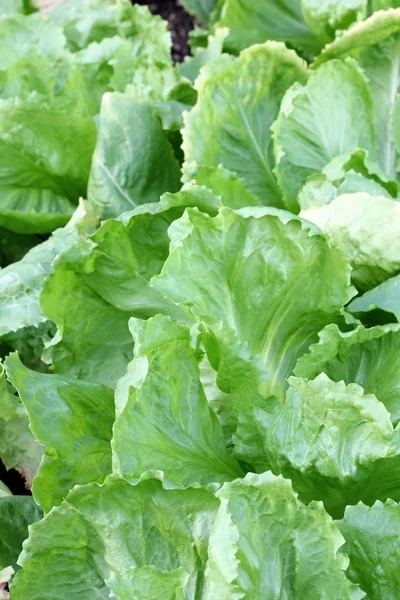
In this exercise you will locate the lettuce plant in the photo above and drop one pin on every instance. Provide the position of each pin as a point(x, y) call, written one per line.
point(199, 302)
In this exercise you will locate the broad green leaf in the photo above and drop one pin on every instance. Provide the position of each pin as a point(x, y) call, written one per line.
point(18, 449)
point(161, 86)
point(44, 165)
point(134, 247)
point(375, 43)
point(21, 34)
point(273, 300)
point(374, 30)
point(73, 419)
point(259, 314)
point(29, 77)
point(92, 340)
point(119, 533)
point(253, 23)
point(238, 100)
point(218, 400)
point(324, 17)
point(29, 342)
point(67, 83)
point(4, 491)
point(191, 66)
point(201, 9)
point(347, 174)
point(114, 64)
point(100, 284)
point(133, 162)
point(63, 549)
point(231, 188)
point(350, 221)
point(96, 66)
point(369, 357)
point(385, 297)
point(86, 21)
point(384, 4)
point(22, 281)
point(12, 8)
point(330, 116)
point(318, 190)
point(332, 441)
point(165, 421)
point(358, 162)
point(149, 582)
point(266, 544)
point(16, 513)
point(372, 536)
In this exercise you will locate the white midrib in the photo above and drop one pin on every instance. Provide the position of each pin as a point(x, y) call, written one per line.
point(257, 148)
point(390, 150)
point(115, 183)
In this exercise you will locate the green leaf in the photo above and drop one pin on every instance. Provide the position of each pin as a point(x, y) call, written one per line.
point(384, 4)
point(4, 491)
point(99, 284)
point(21, 34)
point(372, 542)
point(326, 16)
point(134, 247)
point(238, 101)
point(93, 20)
point(62, 547)
point(305, 139)
point(149, 583)
point(330, 440)
point(368, 357)
point(347, 174)
point(73, 419)
point(161, 86)
point(191, 66)
point(16, 514)
point(318, 190)
point(92, 341)
point(201, 9)
point(349, 222)
point(266, 544)
point(375, 43)
point(123, 175)
point(11, 9)
point(385, 297)
point(374, 30)
point(22, 282)
point(231, 188)
point(67, 83)
point(28, 77)
point(164, 421)
point(120, 533)
point(18, 449)
point(359, 162)
point(29, 342)
point(44, 165)
point(218, 400)
point(269, 284)
point(253, 23)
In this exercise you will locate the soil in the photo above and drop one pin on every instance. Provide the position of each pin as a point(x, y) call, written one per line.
point(180, 23)
point(14, 481)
